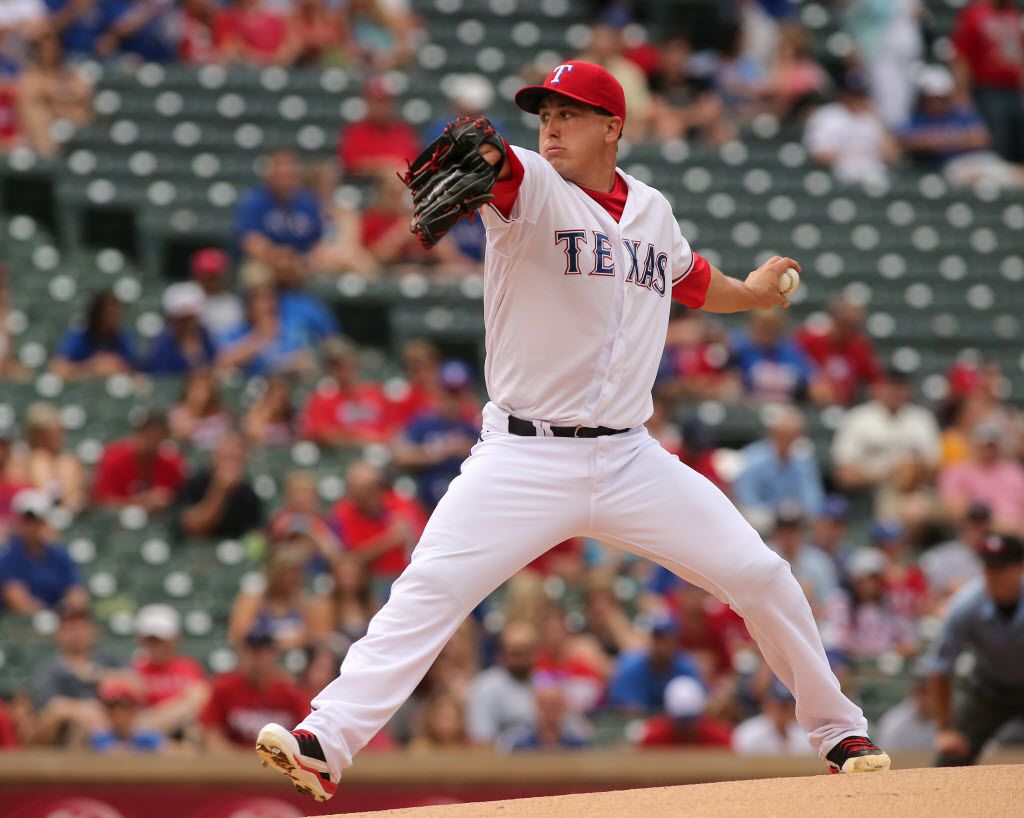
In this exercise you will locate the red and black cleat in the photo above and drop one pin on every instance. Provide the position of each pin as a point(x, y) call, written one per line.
point(856, 754)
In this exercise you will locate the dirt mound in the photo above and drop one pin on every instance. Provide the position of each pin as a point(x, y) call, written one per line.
point(986, 792)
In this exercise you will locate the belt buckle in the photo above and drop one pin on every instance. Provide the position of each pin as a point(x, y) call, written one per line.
point(576, 431)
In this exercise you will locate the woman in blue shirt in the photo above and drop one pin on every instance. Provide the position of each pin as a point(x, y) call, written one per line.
point(98, 349)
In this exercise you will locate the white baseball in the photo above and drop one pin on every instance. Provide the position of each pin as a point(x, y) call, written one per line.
point(789, 282)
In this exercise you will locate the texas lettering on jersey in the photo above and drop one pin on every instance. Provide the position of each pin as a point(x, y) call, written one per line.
point(648, 268)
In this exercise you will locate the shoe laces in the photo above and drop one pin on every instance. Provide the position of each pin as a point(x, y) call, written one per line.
point(854, 743)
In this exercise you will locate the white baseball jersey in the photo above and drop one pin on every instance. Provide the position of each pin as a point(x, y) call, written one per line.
point(576, 305)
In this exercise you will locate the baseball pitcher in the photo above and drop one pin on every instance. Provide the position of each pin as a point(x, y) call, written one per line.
point(582, 264)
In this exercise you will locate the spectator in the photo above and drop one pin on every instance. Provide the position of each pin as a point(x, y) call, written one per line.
point(222, 309)
point(197, 34)
point(63, 686)
point(909, 727)
point(382, 141)
point(434, 445)
point(148, 30)
point(797, 80)
point(770, 363)
point(501, 697)
point(989, 64)
point(890, 44)
point(683, 104)
point(245, 699)
point(950, 565)
point(909, 497)
point(607, 626)
point(11, 480)
point(830, 529)
point(906, 585)
point(848, 137)
point(381, 36)
point(36, 572)
point(99, 348)
point(779, 467)
point(865, 624)
point(469, 95)
point(443, 724)
point(10, 367)
point(10, 738)
point(219, 501)
point(20, 21)
point(986, 617)
point(45, 463)
point(184, 345)
point(351, 603)
point(271, 419)
point(637, 684)
point(279, 222)
point(144, 469)
point(377, 524)
point(774, 732)
point(246, 31)
point(684, 722)
point(741, 80)
point(262, 345)
point(199, 418)
point(280, 607)
point(842, 351)
point(340, 249)
point(990, 477)
point(570, 662)
point(555, 727)
point(607, 50)
point(344, 411)
point(50, 91)
point(696, 360)
point(173, 686)
point(812, 568)
point(316, 34)
point(874, 437)
point(300, 514)
point(951, 137)
point(79, 24)
point(122, 703)
point(420, 389)
point(304, 317)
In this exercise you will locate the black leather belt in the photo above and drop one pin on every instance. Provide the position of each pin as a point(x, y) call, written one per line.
point(523, 428)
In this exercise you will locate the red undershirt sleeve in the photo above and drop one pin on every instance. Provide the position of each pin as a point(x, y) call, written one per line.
point(505, 191)
point(692, 289)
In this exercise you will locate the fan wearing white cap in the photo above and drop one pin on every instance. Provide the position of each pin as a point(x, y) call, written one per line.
point(174, 685)
point(684, 721)
point(184, 344)
point(36, 572)
point(947, 133)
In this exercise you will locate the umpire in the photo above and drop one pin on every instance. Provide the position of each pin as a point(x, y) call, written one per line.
point(986, 617)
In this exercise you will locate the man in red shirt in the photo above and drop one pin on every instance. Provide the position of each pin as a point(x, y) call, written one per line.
point(684, 722)
point(247, 32)
point(381, 141)
point(255, 693)
point(143, 469)
point(989, 43)
point(345, 411)
point(174, 685)
point(376, 523)
point(842, 351)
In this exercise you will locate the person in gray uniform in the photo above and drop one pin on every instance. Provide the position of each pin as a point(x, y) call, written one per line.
point(987, 618)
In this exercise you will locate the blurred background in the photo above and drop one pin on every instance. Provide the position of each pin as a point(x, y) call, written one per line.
point(233, 386)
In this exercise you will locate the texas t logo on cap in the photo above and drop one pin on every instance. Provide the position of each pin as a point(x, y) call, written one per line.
point(557, 78)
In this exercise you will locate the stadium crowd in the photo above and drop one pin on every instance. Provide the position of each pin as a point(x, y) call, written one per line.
point(667, 666)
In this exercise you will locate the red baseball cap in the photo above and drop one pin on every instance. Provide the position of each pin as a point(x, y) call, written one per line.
point(582, 81)
point(209, 262)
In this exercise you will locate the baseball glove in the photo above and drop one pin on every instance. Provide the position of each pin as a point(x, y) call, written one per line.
point(450, 179)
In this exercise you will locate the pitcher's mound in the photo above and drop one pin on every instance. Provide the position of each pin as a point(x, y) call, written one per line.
point(985, 792)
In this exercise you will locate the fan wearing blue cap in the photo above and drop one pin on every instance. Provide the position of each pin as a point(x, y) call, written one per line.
point(434, 445)
point(639, 679)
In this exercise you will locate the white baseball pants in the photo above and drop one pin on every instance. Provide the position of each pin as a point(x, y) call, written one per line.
point(518, 496)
